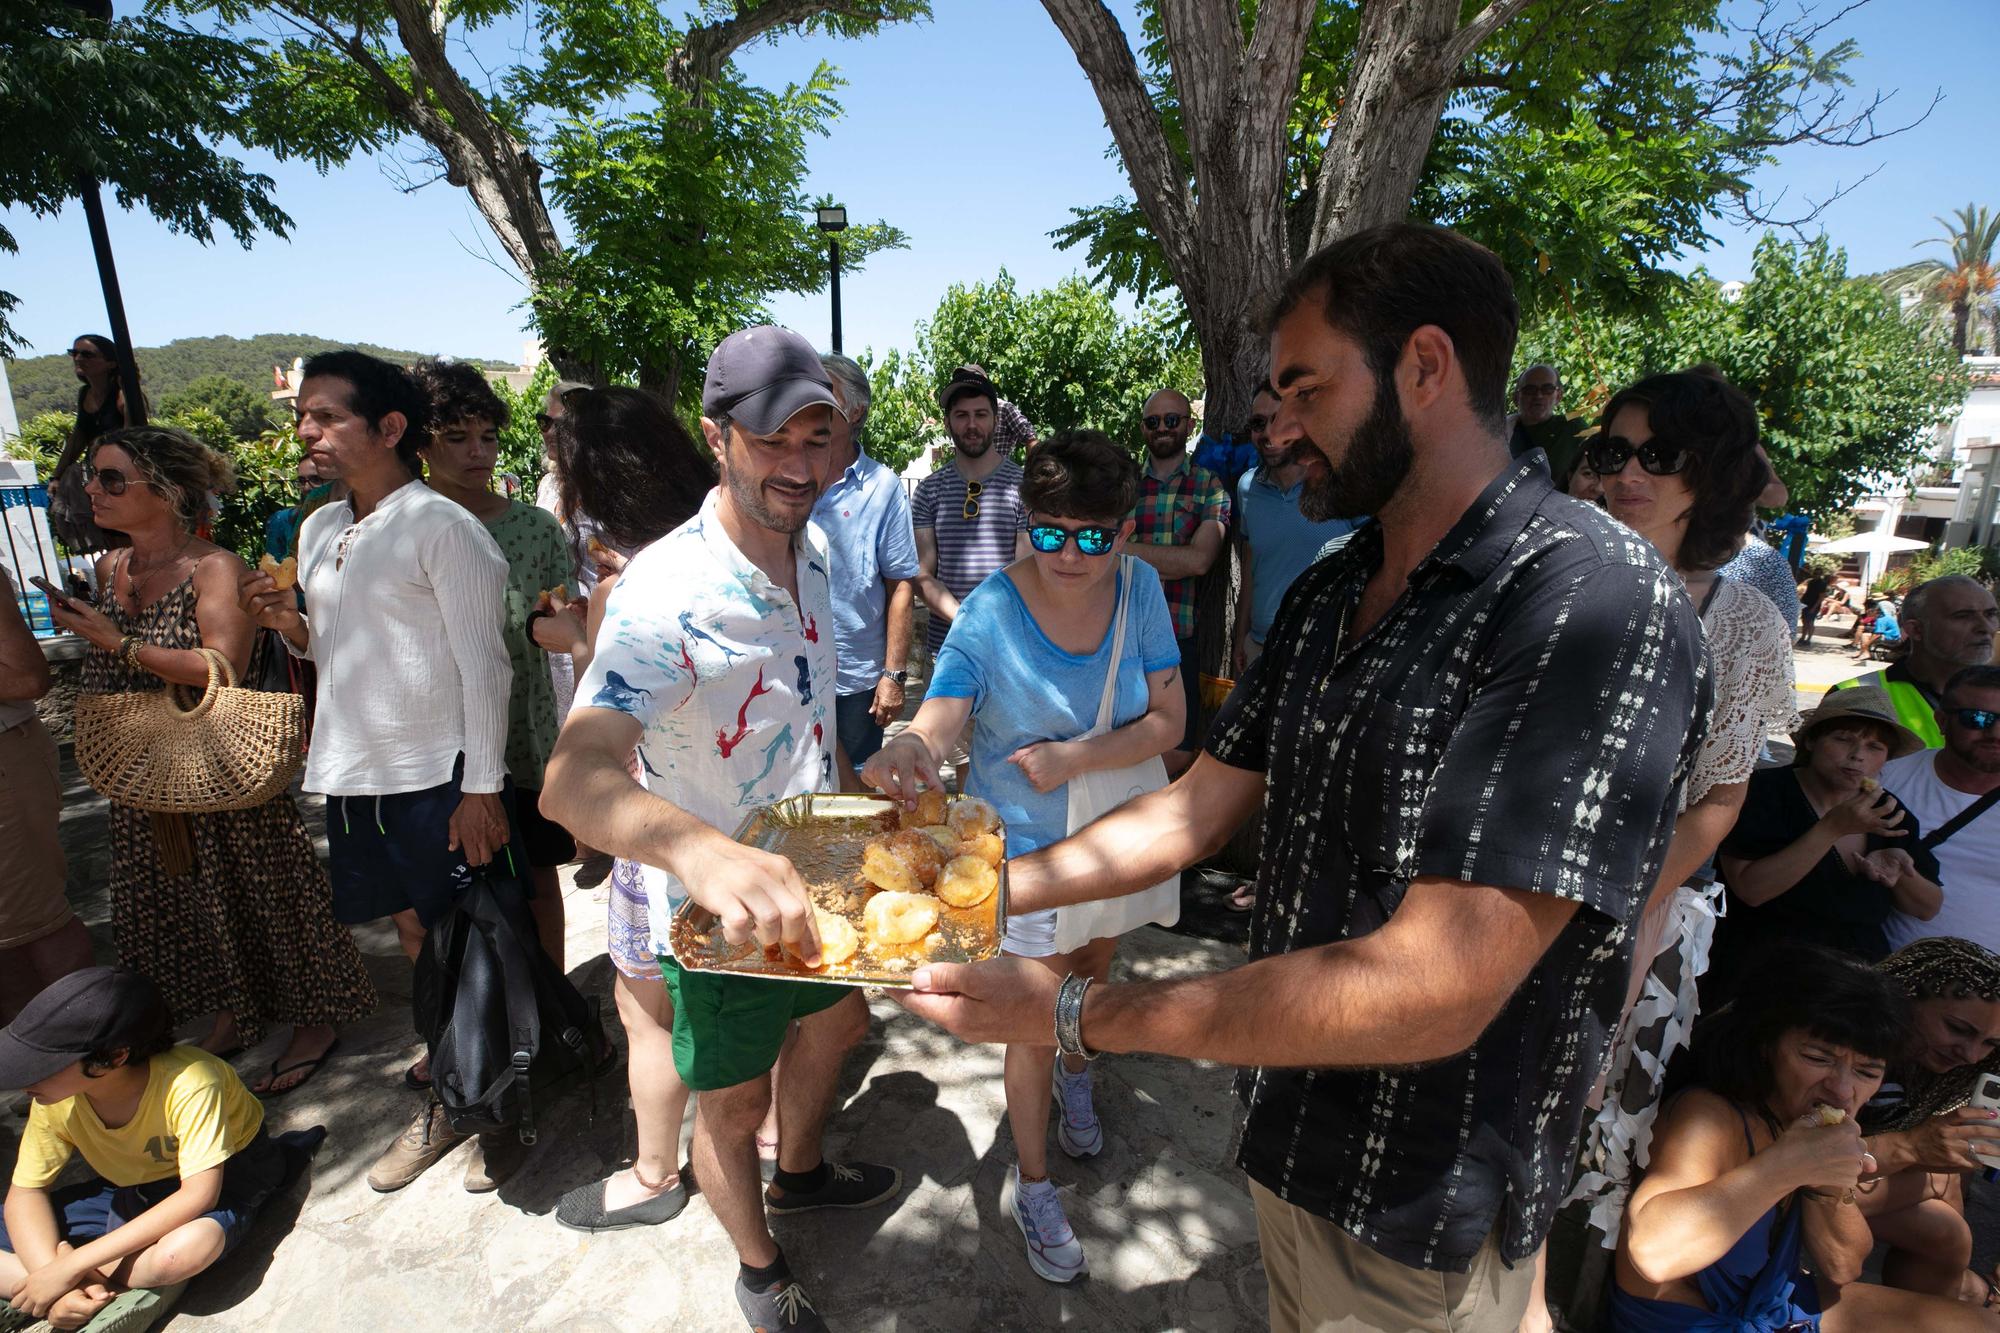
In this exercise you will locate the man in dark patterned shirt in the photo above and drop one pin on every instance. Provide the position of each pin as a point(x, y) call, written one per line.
point(1467, 735)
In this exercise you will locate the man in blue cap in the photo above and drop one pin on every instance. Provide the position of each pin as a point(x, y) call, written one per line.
point(716, 662)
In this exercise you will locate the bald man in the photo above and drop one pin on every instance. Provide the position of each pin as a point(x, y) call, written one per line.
point(1949, 623)
point(1536, 424)
point(1182, 515)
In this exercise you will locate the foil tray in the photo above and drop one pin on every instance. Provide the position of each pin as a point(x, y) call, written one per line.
point(822, 835)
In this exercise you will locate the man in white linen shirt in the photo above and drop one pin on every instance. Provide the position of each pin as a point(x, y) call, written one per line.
point(716, 662)
point(1942, 786)
point(404, 592)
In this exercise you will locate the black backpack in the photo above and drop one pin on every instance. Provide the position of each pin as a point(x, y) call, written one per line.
point(507, 1031)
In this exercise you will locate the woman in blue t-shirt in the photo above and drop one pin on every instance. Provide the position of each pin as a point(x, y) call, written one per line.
point(1026, 661)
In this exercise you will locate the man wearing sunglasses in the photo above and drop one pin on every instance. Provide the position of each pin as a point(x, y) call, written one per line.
point(1536, 424)
point(1948, 624)
point(1954, 792)
point(967, 515)
point(1182, 515)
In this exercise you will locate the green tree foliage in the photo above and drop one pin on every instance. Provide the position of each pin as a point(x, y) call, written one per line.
point(49, 384)
point(247, 413)
point(1586, 145)
point(1063, 355)
point(1848, 391)
point(141, 104)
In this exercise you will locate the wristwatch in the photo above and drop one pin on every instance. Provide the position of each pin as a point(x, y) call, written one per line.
point(900, 677)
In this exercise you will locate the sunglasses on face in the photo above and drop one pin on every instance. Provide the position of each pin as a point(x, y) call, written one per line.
point(109, 479)
point(972, 490)
point(1048, 538)
point(1975, 719)
point(1170, 421)
point(544, 421)
point(1258, 423)
point(309, 480)
point(1608, 454)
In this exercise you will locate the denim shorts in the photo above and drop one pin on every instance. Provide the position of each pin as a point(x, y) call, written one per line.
point(96, 1207)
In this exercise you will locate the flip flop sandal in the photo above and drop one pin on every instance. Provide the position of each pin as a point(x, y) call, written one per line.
point(412, 1082)
point(310, 1066)
point(582, 1209)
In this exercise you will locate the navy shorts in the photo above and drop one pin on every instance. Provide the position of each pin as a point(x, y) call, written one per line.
point(1191, 689)
point(96, 1207)
point(547, 843)
point(854, 722)
point(390, 854)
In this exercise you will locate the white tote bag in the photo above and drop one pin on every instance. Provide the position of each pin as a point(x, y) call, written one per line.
point(1100, 792)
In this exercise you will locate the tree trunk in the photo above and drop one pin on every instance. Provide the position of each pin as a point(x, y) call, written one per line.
point(1961, 324)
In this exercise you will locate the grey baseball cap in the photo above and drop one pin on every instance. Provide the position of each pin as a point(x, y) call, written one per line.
point(91, 1010)
point(763, 377)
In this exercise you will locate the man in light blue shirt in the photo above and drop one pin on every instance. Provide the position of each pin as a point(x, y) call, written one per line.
point(1275, 543)
point(866, 518)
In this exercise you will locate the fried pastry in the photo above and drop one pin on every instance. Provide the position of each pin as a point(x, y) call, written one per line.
point(283, 573)
point(969, 817)
point(899, 918)
point(988, 847)
point(837, 937)
point(907, 861)
point(928, 814)
point(967, 881)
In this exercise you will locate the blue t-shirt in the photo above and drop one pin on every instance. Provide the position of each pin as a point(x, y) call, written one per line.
point(1283, 543)
point(1024, 689)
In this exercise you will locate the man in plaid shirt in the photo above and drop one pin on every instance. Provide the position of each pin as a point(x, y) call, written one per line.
point(1182, 514)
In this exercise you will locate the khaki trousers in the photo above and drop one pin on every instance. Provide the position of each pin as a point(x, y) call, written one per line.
point(1322, 1280)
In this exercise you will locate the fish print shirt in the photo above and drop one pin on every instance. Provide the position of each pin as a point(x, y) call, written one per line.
point(731, 679)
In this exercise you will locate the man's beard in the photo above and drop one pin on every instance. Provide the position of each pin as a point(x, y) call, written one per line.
point(972, 446)
point(749, 497)
point(1166, 446)
point(1378, 457)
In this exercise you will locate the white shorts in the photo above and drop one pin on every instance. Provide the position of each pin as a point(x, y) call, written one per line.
point(1031, 934)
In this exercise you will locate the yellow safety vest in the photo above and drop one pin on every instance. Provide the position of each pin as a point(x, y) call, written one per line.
point(1913, 709)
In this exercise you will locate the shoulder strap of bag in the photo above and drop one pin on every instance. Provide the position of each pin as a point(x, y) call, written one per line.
point(524, 1017)
point(1929, 842)
point(1109, 698)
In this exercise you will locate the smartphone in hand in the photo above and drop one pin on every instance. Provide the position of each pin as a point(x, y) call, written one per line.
point(55, 595)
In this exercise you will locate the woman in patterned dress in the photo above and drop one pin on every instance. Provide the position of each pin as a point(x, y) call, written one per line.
point(243, 929)
point(620, 456)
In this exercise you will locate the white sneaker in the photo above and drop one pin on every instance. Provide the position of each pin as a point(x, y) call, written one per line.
point(1053, 1249)
point(1077, 1129)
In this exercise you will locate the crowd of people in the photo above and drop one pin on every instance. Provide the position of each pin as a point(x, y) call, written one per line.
point(1538, 927)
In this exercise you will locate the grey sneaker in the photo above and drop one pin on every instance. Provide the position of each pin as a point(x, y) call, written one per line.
point(784, 1307)
point(1054, 1252)
point(494, 1157)
point(1077, 1129)
point(429, 1137)
point(135, 1310)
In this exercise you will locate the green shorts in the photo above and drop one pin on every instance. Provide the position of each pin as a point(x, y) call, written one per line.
point(729, 1030)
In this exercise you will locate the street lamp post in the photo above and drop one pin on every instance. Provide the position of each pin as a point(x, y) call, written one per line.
point(833, 221)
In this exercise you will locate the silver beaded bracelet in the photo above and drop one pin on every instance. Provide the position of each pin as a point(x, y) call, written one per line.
point(1069, 1017)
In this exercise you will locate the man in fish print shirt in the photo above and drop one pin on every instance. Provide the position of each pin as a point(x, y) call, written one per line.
point(716, 661)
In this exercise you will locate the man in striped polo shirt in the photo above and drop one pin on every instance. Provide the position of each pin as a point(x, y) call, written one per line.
point(968, 515)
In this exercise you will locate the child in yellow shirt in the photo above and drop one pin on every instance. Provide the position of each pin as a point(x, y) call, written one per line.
point(181, 1158)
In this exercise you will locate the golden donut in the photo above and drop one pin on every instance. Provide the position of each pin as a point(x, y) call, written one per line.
point(969, 817)
point(284, 573)
point(946, 840)
point(899, 918)
point(967, 881)
point(929, 811)
point(837, 937)
point(988, 847)
point(904, 862)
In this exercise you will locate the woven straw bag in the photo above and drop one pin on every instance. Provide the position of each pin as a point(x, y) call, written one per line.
point(231, 749)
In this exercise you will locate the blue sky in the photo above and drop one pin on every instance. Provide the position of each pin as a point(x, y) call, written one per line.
point(975, 133)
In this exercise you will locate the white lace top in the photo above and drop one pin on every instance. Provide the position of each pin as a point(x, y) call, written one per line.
point(1750, 652)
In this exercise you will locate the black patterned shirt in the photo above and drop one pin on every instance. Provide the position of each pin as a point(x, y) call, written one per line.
point(1522, 717)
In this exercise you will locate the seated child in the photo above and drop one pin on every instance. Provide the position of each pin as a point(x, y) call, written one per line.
point(176, 1144)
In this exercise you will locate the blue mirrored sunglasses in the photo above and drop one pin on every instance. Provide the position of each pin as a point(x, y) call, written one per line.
point(1048, 539)
point(1976, 719)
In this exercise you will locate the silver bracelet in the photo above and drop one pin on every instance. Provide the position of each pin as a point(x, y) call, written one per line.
point(1069, 1017)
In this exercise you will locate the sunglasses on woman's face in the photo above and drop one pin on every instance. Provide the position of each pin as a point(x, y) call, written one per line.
point(1608, 454)
point(1975, 719)
point(109, 479)
point(1048, 538)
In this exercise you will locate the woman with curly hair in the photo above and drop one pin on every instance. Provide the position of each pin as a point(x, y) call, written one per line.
point(459, 458)
point(1921, 1127)
point(1677, 458)
point(229, 913)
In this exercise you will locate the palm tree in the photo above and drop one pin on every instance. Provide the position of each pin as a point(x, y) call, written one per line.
point(1964, 284)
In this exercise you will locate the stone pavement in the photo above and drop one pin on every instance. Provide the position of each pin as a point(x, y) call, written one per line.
point(1163, 1215)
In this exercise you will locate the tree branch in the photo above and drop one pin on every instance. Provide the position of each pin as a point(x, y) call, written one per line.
point(1157, 175)
point(709, 46)
point(1482, 25)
